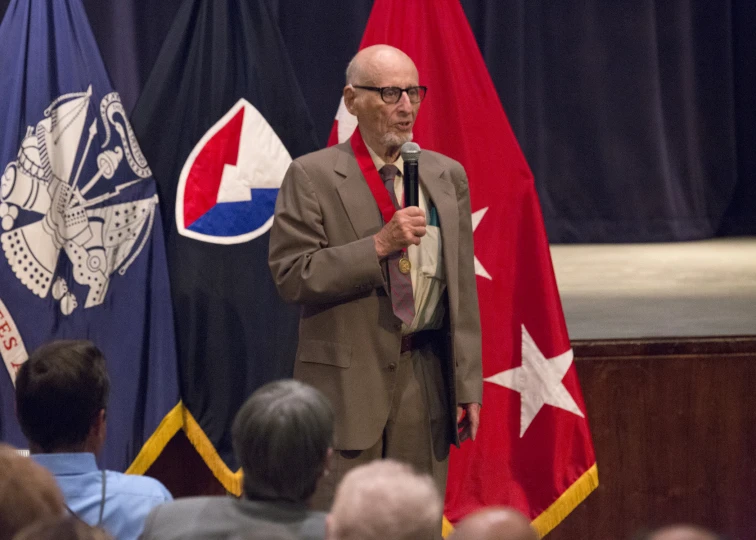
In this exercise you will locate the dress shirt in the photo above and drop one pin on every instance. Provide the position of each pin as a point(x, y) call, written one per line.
point(426, 260)
point(128, 498)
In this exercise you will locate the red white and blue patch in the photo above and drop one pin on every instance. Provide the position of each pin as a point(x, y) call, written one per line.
point(228, 186)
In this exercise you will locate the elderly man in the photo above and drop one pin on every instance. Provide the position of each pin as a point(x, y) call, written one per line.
point(61, 402)
point(389, 329)
point(385, 499)
point(282, 438)
point(495, 523)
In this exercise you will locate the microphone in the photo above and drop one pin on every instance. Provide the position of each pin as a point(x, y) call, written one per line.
point(410, 155)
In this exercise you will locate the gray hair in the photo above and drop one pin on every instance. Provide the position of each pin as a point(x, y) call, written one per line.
point(281, 436)
point(385, 499)
point(354, 71)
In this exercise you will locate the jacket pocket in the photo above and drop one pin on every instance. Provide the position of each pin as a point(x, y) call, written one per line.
point(324, 352)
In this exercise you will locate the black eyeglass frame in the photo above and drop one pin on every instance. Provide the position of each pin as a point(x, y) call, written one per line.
point(422, 90)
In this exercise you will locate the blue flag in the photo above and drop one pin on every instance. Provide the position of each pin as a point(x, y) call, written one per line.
point(82, 250)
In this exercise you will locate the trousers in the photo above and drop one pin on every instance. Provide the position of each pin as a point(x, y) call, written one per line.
point(416, 431)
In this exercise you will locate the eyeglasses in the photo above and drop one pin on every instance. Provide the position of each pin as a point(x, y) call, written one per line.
point(392, 94)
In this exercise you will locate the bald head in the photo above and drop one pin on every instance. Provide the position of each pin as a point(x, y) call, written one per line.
point(682, 532)
point(28, 492)
point(368, 64)
point(385, 120)
point(495, 524)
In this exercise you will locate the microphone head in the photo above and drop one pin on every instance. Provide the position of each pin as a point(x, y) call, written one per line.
point(411, 151)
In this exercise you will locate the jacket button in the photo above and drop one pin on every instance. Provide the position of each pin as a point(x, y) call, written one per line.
point(392, 366)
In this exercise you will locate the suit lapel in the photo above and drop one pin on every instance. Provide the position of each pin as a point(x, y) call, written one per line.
point(360, 207)
point(435, 180)
point(358, 201)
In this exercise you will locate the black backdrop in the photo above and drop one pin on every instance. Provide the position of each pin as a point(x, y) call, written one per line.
point(635, 116)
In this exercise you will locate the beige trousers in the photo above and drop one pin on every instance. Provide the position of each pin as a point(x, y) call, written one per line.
point(416, 431)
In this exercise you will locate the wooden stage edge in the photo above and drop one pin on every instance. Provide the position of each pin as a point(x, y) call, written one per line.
point(673, 422)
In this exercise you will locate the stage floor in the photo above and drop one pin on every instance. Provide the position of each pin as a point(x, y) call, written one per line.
point(684, 289)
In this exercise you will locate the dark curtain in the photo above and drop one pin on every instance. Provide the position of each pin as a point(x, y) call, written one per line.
point(625, 110)
point(130, 34)
point(740, 217)
point(636, 117)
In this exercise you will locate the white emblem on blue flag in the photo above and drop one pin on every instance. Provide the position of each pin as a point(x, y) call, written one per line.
point(58, 195)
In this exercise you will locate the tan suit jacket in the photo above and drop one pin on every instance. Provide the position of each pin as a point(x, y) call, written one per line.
point(322, 256)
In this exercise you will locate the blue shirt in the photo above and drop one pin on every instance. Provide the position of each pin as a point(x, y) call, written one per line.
point(128, 498)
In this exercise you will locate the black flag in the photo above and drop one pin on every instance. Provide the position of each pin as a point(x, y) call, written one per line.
point(220, 119)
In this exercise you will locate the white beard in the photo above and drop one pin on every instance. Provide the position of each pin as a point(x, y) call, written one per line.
point(394, 140)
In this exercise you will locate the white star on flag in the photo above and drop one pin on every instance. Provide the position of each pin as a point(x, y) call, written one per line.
point(539, 381)
point(476, 217)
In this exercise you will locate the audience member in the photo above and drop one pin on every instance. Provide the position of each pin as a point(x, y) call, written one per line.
point(62, 528)
point(385, 499)
point(495, 523)
point(61, 401)
point(27, 493)
point(266, 531)
point(282, 439)
point(679, 532)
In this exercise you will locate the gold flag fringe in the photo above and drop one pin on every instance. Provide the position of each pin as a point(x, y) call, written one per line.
point(180, 418)
point(169, 426)
point(231, 481)
point(559, 509)
point(567, 502)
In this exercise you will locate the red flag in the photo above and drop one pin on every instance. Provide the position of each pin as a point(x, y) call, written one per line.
point(533, 450)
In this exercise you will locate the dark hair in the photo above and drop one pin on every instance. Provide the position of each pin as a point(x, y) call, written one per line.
point(281, 436)
point(60, 391)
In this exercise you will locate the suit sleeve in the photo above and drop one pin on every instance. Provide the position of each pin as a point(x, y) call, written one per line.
point(148, 524)
point(467, 341)
point(305, 268)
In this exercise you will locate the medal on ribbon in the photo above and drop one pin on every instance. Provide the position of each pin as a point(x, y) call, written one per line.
point(404, 263)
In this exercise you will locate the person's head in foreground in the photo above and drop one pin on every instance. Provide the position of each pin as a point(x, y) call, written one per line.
point(383, 92)
point(266, 531)
point(680, 532)
point(28, 493)
point(61, 397)
point(282, 437)
point(384, 499)
point(495, 523)
point(62, 528)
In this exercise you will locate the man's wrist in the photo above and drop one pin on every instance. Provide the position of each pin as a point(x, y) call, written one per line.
point(380, 248)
